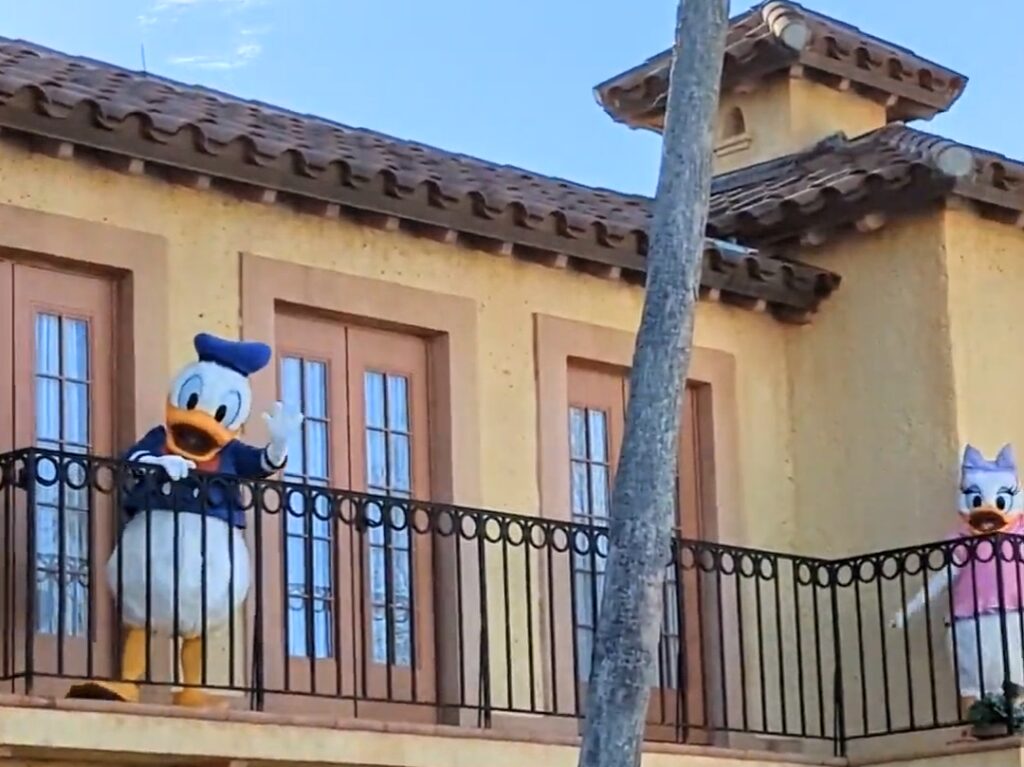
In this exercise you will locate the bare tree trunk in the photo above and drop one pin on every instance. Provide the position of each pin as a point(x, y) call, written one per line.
point(629, 624)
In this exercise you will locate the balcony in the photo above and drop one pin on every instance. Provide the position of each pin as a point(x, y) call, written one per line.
point(399, 616)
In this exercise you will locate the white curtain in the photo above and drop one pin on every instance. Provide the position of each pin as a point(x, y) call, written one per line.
point(61, 510)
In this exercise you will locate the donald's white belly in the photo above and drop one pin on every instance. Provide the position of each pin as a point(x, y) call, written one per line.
point(141, 583)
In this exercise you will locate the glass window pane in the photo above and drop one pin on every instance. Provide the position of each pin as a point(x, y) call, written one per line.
point(316, 450)
point(47, 344)
point(599, 491)
point(322, 568)
point(76, 413)
point(586, 593)
point(48, 410)
point(321, 522)
point(316, 390)
point(374, 394)
point(402, 628)
point(400, 449)
point(597, 425)
point(76, 349)
point(580, 492)
point(291, 383)
point(584, 650)
point(296, 562)
point(378, 580)
point(398, 403)
point(321, 629)
point(401, 566)
point(376, 461)
point(296, 627)
point(380, 635)
point(577, 434)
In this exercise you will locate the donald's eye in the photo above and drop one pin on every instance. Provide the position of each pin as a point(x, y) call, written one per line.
point(976, 501)
point(229, 409)
point(189, 393)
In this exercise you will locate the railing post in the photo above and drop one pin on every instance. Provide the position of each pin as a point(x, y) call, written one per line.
point(257, 701)
point(485, 639)
point(997, 562)
point(30, 567)
point(838, 691)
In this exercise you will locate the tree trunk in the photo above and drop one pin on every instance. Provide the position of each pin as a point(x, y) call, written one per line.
point(643, 498)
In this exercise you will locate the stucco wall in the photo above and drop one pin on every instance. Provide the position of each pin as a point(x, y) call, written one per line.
point(986, 278)
point(207, 231)
point(788, 114)
point(873, 397)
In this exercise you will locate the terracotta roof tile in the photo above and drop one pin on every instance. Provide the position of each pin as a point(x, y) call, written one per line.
point(170, 125)
point(107, 110)
point(836, 182)
point(773, 36)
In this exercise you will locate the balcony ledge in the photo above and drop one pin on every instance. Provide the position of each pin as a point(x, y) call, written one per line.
point(962, 752)
point(47, 729)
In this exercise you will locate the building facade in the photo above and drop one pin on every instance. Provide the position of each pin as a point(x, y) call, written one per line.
point(458, 335)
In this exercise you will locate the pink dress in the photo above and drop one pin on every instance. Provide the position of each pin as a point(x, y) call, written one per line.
point(987, 611)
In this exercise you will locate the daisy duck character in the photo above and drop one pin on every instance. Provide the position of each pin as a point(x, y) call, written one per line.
point(160, 584)
point(986, 603)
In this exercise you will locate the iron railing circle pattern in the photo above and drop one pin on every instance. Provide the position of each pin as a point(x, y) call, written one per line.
point(772, 624)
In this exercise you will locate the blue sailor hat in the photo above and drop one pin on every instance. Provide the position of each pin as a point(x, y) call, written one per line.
point(244, 357)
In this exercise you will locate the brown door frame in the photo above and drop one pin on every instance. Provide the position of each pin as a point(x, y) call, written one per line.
point(348, 349)
point(38, 289)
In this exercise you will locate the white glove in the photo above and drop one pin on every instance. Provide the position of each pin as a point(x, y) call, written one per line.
point(175, 466)
point(898, 621)
point(282, 427)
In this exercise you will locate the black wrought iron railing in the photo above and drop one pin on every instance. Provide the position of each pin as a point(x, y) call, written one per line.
point(117, 583)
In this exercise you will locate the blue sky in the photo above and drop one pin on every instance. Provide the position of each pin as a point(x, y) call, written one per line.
point(509, 82)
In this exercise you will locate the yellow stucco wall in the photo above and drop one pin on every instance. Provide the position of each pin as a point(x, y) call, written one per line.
point(207, 231)
point(873, 401)
point(789, 114)
point(849, 428)
point(986, 278)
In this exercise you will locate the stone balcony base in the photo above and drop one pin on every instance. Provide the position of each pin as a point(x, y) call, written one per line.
point(38, 731)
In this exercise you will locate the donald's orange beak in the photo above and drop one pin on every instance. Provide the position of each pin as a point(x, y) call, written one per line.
point(194, 434)
point(987, 519)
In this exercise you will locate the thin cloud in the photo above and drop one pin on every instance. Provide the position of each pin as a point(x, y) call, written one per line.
point(172, 5)
point(241, 56)
point(243, 51)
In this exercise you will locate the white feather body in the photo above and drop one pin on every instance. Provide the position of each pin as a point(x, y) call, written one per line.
point(147, 573)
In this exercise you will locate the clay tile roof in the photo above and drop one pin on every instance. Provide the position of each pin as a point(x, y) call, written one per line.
point(772, 37)
point(114, 113)
point(837, 182)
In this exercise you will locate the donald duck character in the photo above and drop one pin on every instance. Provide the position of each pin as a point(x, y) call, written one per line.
point(986, 603)
point(160, 584)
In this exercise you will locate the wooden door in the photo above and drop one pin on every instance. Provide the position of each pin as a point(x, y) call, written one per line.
point(597, 403)
point(389, 442)
point(597, 407)
point(6, 357)
point(63, 375)
point(349, 603)
point(307, 548)
point(9, 660)
point(677, 711)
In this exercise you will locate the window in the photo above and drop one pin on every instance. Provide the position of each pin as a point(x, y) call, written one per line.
point(596, 401)
point(388, 459)
point(62, 377)
point(57, 381)
point(62, 395)
point(734, 124)
point(308, 554)
point(363, 393)
point(596, 413)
